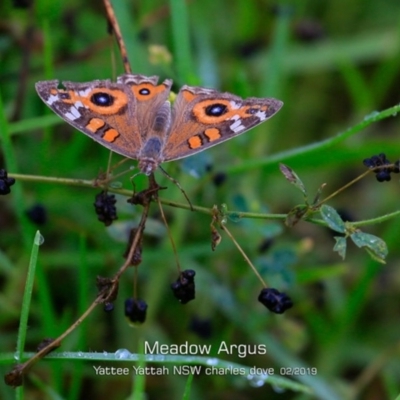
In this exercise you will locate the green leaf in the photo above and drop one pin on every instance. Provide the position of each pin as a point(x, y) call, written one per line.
point(293, 178)
point(332, 218)
point(375, 246)
point(340, 246)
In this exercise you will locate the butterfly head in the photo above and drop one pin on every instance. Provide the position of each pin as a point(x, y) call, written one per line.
point(147, 165)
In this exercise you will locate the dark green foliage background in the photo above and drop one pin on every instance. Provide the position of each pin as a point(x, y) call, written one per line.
point(346, 313)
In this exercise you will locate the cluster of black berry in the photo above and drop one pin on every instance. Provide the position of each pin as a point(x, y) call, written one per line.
point(135, 310)
point(382, 174)
point(5, 182)
point(184, 287)
point(105, 208)
point(274, 300)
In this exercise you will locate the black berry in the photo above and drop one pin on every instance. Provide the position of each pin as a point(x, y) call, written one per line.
point(135, 310)
point(274, 300)
point(383, 173)
point(5, 182)
point(105, 208)
point(184, 286)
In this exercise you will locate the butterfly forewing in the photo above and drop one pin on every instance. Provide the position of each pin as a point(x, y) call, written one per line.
point(103, 110)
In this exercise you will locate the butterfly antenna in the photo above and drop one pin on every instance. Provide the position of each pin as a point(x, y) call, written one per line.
point(177, 184)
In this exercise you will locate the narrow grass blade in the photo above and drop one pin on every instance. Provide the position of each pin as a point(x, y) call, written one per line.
point(26, 301)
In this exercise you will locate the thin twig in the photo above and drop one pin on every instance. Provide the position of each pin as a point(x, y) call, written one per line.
point(169, 234)
point(224, 228)
point(117, 32)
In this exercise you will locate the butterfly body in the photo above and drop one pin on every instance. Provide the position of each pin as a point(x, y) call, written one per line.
point(133, 116)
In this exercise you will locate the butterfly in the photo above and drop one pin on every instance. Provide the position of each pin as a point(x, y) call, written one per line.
point(133, 116)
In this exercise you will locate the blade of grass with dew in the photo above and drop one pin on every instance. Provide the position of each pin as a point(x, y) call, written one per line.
point(26, 301)
point(139, 380)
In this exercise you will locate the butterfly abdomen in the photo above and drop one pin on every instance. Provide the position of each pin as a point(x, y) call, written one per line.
point(150, 156)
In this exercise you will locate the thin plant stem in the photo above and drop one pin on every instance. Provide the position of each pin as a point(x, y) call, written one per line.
point(224, 228)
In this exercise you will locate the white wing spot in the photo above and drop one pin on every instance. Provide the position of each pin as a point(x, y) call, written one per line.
point(52, 99)
point(69, 116)
point(79, 104)
point(237, 126)
point(235, 117)
point(235, 105)
point(206, 90)
point(73, 114)
point(261, 115)
point(85, 92)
